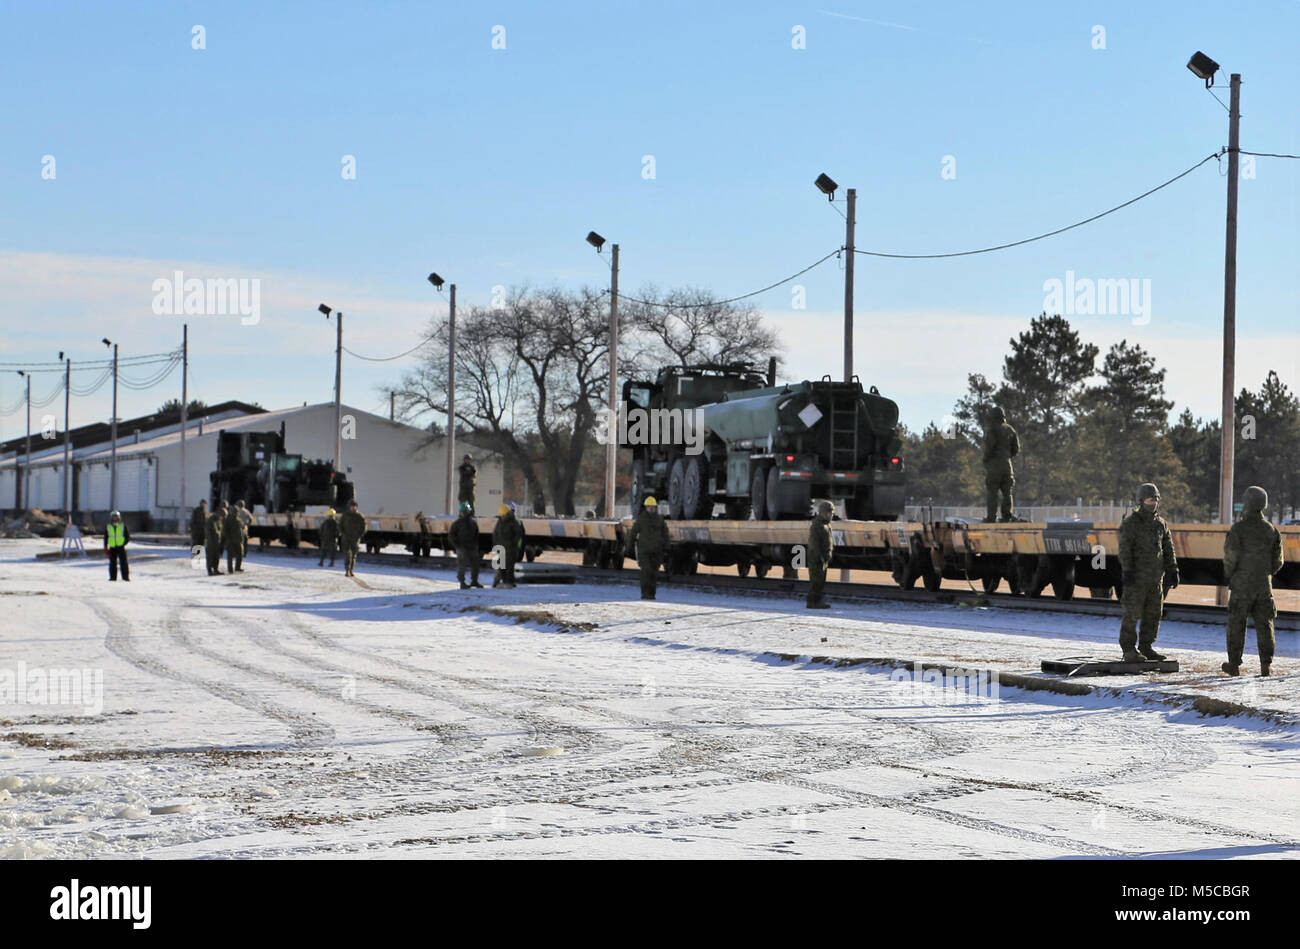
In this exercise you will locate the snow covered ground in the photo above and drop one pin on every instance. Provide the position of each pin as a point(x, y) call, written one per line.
point(290, 711)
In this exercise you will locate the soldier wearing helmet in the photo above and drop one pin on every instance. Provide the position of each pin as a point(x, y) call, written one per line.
point(329, 538)
point(468, 480)
point(507, 545)
point(1149, 569)
point(649, 539)
point(464, 540)
point(820, 546)
point(1001, 444)
point(116, 537)
point(1252, 553)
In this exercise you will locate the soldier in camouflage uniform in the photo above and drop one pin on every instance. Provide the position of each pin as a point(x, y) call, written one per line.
point(820, 545)
point(1146, 557)
point(246, 518)
point(352, 527)
point(468, 481)
point(212, 538)
point(464, 540)
point(1252, 553)
point(198, 523)
point(1001, 444)
point(329, 538)
point(649, 537)
point(234, 535)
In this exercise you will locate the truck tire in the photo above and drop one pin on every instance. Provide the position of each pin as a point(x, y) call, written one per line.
point(676, 479)
point(774, 512)
point(758, 493)
point(697, 504)
point(639, 487)
point(740, 509)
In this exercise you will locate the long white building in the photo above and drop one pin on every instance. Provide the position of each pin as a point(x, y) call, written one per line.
point(397, 468)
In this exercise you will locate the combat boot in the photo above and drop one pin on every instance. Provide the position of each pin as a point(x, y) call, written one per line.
point(1231, 669)
point(819, 605)
point(1150, 653)
point(1131, 655)
point(464, 585)
point(476, 585)
point(1265, 665)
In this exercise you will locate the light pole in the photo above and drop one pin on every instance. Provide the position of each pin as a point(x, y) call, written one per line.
point(437, 282)
point(112, 474)
point(185, 418)
point(1204, 68)
point(828, 187)
point(338, 388)
point(611, 440)
point(23, 487)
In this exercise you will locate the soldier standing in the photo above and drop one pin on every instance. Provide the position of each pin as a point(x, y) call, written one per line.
point(1146, 557)
point(246, 521)
point(198, 524)
point(1252, 553)
point(649, 537)
point(508, 539)
point(329, 538)
point(352, 527)
point(1001, 444)
point(468, 480)
point(424, 539)
point(116, 537)
point(233, 534)
point(820, 545)
point(464, 540)
point(212, 539)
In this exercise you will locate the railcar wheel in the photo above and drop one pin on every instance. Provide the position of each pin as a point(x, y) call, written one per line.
point(760, 568)
point(1063, 577)
point(742, 567)
point(990, 581)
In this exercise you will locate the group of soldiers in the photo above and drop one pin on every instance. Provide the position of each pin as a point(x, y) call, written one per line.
point(507, 536)
point(225, 529)
point(1252, 554)
point(344, 530)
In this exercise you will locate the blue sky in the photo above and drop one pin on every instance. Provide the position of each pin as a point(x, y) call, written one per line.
point(490, 166)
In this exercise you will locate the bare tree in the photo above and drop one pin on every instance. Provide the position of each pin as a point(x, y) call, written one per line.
point(687, 326)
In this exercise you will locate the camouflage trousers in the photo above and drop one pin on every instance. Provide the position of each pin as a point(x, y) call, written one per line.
point(649, 576)
point(328, 548)
point(1260, 608)
point(467, 559)
point(816, 583)
point(1005, 485)
point(350, 551)
point(234, 556)
point(1143, 602)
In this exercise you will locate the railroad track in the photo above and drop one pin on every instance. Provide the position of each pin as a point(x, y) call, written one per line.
point(777, 587)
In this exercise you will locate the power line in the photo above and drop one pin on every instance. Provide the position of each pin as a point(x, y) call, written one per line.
point(1268, 154)
point(422, 342)
point(1059, 230)
point(743, 296)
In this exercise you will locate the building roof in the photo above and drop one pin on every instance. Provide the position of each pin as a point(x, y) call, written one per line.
point(102, 432)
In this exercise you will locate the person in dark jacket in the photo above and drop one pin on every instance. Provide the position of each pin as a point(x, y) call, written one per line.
point(1252, 553)
point(1001, 444)
point(423, 542)
point(198, 523)
point(1149, 569)
point(507, 545)
point(212, 538)
point(464, 540)
point(116, 537)
point(821, 543)
point(468, 481)
point(234, 535)
point(649, 538)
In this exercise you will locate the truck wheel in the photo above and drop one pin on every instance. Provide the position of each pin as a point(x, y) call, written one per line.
point(739, 510)
point(758, 493)
point(774, 511)
point(639, 487)
point(696, 503)
point(676, 479)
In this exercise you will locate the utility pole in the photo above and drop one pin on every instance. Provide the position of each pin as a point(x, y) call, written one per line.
point(611, 442)
point(392, 405)
point(1227, 451)
point(23, 485)
point(848, 286)
point(338, 396)
point(112, 474)
point(185, 417)
point(451, 400)
point(67, 438)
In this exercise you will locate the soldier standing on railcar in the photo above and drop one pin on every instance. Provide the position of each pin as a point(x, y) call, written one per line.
point(1001, 444)
point(1146, 557)
point(1252, 553)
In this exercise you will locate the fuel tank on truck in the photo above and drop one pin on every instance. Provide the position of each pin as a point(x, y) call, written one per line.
point(752, 415)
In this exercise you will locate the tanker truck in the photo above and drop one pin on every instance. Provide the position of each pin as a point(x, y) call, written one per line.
point(766, 452)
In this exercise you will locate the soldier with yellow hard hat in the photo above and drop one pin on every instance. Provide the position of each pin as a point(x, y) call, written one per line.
point(649, 539)
point(507, 545)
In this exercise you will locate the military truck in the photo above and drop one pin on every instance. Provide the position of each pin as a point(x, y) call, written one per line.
point(766, 452)
point(255, 468)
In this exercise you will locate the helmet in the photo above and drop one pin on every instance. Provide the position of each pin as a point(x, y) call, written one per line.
point(1256, 498)
point(503, 510)
point(465, 508)
point(650, 501)
point(1148, 490)
point(331, 512)
point(825, 507)
point(114, 514)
